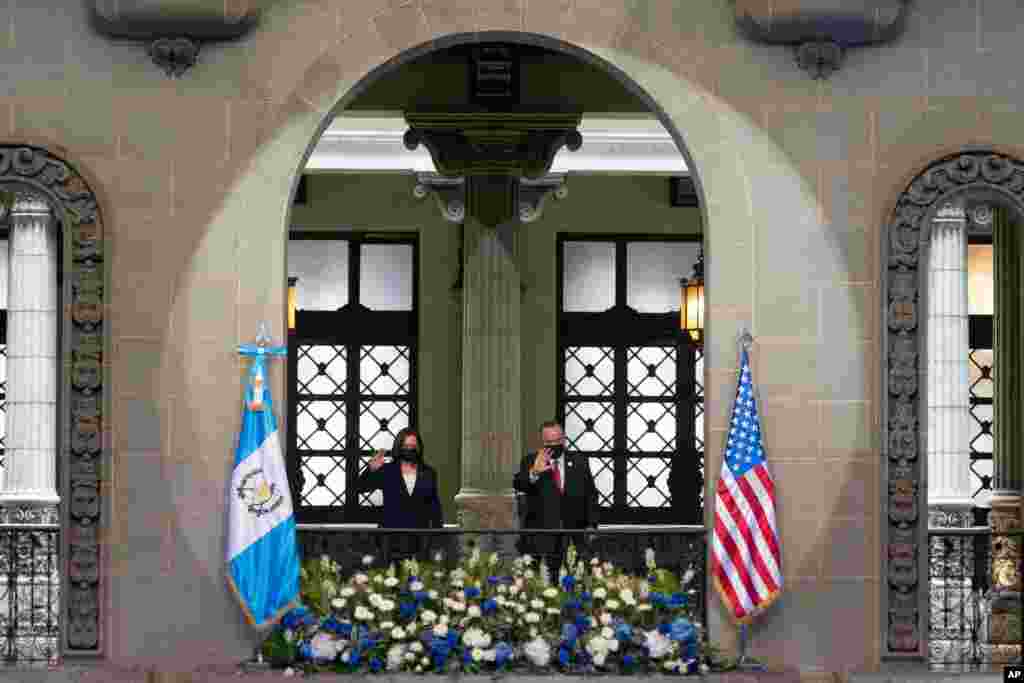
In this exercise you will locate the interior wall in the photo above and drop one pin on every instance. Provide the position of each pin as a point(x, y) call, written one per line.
point(383, 203)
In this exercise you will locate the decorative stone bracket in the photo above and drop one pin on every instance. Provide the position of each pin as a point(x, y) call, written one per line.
point(820, 31)
point(450, 194)
point(173, 34)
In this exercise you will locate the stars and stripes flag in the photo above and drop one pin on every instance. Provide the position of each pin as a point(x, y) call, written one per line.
point(746, 564)
point(262, 555)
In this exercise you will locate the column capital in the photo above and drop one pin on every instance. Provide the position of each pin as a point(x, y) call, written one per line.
point(450, 194)
point(29, 204)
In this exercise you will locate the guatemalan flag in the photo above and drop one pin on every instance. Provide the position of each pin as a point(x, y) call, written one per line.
point(262, 557)
point(746, 565)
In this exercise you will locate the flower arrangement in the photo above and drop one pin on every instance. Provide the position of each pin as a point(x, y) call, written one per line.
point(419, 617)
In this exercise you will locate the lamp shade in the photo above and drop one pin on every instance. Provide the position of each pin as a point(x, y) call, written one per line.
point(691, 304)
point(292, 282)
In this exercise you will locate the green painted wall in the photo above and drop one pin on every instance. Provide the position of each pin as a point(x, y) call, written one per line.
point(384, 203)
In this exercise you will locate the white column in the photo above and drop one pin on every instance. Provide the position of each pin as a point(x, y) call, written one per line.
point(31, 459)
point(949, 482)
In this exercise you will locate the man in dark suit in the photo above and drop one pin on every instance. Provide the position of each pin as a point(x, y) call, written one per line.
point(559, 493)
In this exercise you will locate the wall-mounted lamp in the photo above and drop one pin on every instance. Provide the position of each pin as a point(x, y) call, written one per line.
point(292, 281)
point(691, 305)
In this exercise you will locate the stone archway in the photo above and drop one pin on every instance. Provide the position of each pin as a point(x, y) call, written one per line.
point(81, 448)
point(905, 555)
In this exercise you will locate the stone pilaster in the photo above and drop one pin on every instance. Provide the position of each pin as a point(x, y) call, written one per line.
point(30, 478)
point(949, 484)
point(1006, 485)
point(492, 431)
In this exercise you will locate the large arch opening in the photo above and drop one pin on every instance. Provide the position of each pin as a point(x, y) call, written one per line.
point(354, 210)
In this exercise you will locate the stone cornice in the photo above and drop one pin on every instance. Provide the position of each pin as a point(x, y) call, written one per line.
point(610, 146)
point(820, 30)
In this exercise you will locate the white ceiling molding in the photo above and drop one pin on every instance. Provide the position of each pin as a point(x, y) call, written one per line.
point(610, 146)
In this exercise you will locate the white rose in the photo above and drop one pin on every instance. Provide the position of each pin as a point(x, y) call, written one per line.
point(398, 633)
point(425, 661)
point(607, 633)
point(432, 594)
point(441, 630)
point(394, 657)
point(532, 618)
point(527, 560)
point(612, 605)
point(552, 610)
point(387, 625)
point(367, 560)
point(473, 611)
point(438, 575)
point(477, 654)
point(502, 588)
point(528, 574)
point(428, 617)
point(443, 619)
point(417, 647)
point(458, 583)
point(600, 593)
point(537, 604)
point(391, 582)
point(379, 578)
point(363, 614)
point(513, 590)
point(657, 644)
point(348, 592)
point(643, 608)
point(387, 605)
point(338, 603)
point(627, 596)
point(520, 609)
point(613, 645)
point(550, 593)
point(490, 655)
point(538, 651)
point(599, 659)
point(416, 586)
point(410, 657)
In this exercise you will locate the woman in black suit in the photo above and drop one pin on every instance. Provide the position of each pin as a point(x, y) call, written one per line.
point(411, 500)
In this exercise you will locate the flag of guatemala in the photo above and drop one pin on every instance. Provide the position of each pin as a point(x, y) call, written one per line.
point(262, 557)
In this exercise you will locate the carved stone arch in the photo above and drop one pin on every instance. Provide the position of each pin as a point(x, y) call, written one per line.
point(80, 446)
point(905, 551)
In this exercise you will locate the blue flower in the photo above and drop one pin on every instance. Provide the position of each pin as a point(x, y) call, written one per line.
point(467, 657)
point(568, 582)
point(406, 609)
point(413, 579)
point(677, 600)
point(651, 578)
point(339, 627)
point(494, 580)
point(623, 631)
point(571, 604)
point(586, 596)
point(502, 653)
point(295, 617)
point(569, 633)
point(563, 656)
point(682, 631)
point(489, 605)
point(453, 638)
point(376, 664)
point(628, 661)
point(582, 623)
point(690, 649)
point(472, 592)
point(664, 629)
point(420, 596)
point(658, 599)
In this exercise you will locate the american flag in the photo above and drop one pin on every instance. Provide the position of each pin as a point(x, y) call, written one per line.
point(745, 561)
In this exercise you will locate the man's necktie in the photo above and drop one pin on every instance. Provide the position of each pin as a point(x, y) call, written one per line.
point(557, 475)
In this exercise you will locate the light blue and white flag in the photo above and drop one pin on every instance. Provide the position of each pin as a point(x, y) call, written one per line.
point(262, 556)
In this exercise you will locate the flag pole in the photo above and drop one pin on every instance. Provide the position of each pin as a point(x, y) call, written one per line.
point(745, 662)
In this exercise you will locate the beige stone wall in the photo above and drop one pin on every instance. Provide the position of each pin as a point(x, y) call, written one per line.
point(798, 176)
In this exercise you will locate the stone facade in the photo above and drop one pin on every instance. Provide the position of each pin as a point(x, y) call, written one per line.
point(799, 179)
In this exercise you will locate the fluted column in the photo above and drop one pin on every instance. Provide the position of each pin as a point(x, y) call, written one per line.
point(1006, 451)
point(949, 484)
point(30, 482)
point(491, 423)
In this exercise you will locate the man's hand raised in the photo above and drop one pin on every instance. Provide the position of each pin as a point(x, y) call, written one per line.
point(377, 461)
point(542, 462)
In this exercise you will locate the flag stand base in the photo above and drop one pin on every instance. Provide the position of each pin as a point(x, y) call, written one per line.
point(745, 663)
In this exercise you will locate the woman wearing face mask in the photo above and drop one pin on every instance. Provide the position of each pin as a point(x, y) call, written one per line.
point(411, 499)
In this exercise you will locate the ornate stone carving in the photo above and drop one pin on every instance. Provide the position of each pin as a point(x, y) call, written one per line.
point(533, 194)
point(450, 194)
point(821, 29)
point(901, 340)
point(485, 143)
point(174, 56)
point(75, 206)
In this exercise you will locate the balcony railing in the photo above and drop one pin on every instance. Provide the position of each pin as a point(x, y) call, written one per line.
point(975, 599)
point(679, 549)
point(29, 594)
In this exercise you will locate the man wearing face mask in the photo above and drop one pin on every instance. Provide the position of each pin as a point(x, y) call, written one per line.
point(560, 494)
point(411, 499)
